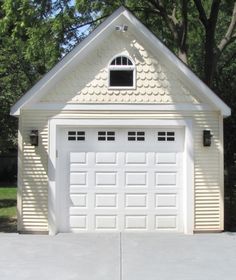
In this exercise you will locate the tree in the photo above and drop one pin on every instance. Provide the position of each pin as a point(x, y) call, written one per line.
point(34, 35)
point(214, 50)
point(170, 20)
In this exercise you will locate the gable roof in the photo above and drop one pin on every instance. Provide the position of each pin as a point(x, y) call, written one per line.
point(120, 16)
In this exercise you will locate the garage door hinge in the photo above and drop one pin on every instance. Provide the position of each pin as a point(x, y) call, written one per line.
point(56, 153)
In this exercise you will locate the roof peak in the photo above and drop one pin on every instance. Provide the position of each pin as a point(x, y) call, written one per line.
point(101, 32)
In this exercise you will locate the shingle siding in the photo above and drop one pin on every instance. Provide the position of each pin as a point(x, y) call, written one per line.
point(88, 83)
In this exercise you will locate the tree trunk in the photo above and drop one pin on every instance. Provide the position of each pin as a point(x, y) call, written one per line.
point(183, 56)
point(209, 63)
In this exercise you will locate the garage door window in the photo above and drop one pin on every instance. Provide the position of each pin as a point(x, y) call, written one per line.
point(76, 135)
point(165, 136)
point(106, 135)
point(136, 136)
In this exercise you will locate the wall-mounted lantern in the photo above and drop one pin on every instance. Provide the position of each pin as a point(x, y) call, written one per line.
point(207, 138)
point(34, 137)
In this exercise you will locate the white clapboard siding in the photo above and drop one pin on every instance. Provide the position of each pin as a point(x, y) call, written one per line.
point(33, 170)
point(33, 164)
point(207, 176)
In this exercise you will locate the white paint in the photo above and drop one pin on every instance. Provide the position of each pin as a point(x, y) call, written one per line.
point(165, 178)
point(105, 179)
point(78, 157)
point(136, 222)
point(111, 223)
point(166, 222)
point(166, 200)
point(133, 179)
point(136, 200)
point(106, 200)
point(120, 107)
point(136, 158)
point(166, 158)
point(105, 222)
point(105, 158)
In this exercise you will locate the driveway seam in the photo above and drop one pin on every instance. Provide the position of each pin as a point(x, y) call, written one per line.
point(121, 264)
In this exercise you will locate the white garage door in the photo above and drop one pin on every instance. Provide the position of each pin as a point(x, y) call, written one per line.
point(116, 179)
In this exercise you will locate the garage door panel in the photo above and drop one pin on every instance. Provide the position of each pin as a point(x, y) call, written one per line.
point(136, 158)
point(78, 200)
point(136, 179)
point(106, 200)
point(106, 158)
point(80, 158)
point(136, 222)
point(106, 222)
point(166, 179)
point(78, 222)
point(106, 179)
point(121, 185)
point(166, 158)
point(166, 200)
point(78, 179)
point(166, 222)
point(133, 200)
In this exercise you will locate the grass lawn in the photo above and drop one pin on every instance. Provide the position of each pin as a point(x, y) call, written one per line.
point(7, 209)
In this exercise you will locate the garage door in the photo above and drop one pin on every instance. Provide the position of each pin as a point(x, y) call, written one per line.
point(114, 179)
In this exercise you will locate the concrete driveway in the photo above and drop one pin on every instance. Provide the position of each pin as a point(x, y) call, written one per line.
point(114, 256)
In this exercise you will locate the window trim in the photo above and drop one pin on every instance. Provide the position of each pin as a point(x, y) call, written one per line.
point(120, 68)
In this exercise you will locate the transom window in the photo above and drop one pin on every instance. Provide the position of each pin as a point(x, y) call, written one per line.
point(121, 73)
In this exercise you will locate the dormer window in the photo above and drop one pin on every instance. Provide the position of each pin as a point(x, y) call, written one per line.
point(121, 73)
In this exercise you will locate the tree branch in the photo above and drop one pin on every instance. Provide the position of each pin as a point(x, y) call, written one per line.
point(173, 17)
point(201, 11)
point(227, 62)
point(87, 23)
point(215, 7)
point(184, 10)
point(158, 4)
point(229, 33)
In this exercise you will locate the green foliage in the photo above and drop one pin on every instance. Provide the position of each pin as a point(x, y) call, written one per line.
point(7, 193)
point(224, 82)
point(8, 209)
point(34, 35)
point(7, 202)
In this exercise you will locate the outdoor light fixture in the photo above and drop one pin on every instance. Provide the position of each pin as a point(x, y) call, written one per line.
point(121, 28)
point(207, 138)
point(34, 137)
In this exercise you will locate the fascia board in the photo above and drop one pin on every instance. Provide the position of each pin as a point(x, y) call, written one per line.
point(174, 62)
point(65, 64)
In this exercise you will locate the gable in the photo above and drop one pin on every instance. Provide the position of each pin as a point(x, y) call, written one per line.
point(88, 83)
point(171, 80)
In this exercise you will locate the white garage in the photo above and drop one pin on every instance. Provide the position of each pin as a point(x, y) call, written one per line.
point(120, 136)
point(121, 178)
